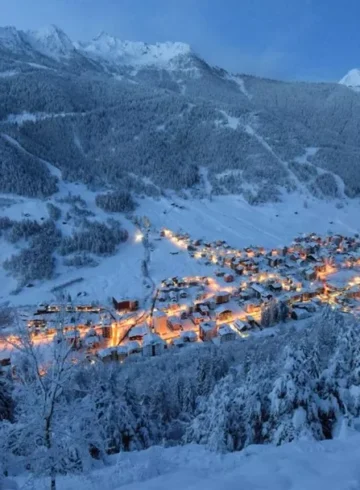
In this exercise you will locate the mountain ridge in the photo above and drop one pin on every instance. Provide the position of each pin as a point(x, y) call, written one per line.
point(165, 110)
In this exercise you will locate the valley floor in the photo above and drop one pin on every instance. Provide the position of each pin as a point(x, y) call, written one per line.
point(227, 218)
point(330, 465)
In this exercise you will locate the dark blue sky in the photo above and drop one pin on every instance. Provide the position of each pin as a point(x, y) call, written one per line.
point(291, 39)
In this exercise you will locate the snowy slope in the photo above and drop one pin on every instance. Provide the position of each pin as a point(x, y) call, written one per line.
point(225, 217)
point(330, 465)
point(112, 49)
point(50, 41)
point(351, 79)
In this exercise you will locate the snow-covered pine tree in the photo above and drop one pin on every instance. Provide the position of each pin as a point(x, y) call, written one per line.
point(293, 407)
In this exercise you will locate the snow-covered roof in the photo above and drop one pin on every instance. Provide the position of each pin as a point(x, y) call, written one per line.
point(190, 334)
point(208, 326)
point(139, 330)
point(222, 309)
point(133, 345)
point(225, 330)
point(152, 339)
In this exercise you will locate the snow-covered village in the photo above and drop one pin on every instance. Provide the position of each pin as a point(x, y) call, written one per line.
point(245, 293)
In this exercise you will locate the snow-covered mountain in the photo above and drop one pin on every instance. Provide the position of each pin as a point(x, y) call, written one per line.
point(156, 120)
point(50, 41)
point(111, 49)
point(351, 79)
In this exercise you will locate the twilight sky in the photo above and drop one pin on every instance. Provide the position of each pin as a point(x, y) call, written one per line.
point(291, 39)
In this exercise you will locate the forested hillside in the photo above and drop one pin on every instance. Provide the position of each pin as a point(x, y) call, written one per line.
point(150, 118)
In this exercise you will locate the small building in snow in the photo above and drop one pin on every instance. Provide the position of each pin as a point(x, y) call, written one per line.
point(174, 323)
point(224, 314)
point(226, 334)
point(138, 332)
point(207, 331)
point(160, 322)
point(153, 345)
point(222, 297)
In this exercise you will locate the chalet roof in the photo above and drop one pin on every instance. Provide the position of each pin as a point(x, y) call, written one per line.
point(223, 308)
point(139, 330)
point(208, 326)
point(133, 345)
point(258, 288)
point(122, 349)
point(225, 330)
point(153, 339)
point(174, 319)
point(190, 334)
point(222, 294)
point(105, 352)
point(240, 324)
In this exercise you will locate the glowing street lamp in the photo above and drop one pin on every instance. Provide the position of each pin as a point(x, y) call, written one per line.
point(138, 237)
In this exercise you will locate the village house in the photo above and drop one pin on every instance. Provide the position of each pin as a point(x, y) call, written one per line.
point(241, 325)
point(253, 306)
point(138, 332)
point(228, 278)
point(106, 328)
point(92, 340)
point(107, 355)
point(197, 318)
point(133, 347)
point(188, 336)
point(178, 342)
point(275, 287)
point(153, 345)
point(257, 290)
point(310, 274)
point(222, 297)
point(160, 322)
point(125, 305)
point(174, 323)
point(207, 331)
point(226, 334)
point(224, 314)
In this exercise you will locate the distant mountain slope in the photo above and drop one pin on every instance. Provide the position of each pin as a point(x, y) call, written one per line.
point(351, 79)
point(111, 113)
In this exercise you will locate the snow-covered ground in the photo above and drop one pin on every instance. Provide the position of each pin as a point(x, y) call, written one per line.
point(330, 465)
point(225, 217)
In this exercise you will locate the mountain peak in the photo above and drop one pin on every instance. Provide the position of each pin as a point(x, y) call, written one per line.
point(51, 41)
point(10, 37)
point(351, 79)
point(112, 49)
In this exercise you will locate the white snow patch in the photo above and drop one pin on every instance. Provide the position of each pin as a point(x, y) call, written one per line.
point(38, 66)
point(240, 83)
point(309, 152)
point(7, 74)
point(232, 122)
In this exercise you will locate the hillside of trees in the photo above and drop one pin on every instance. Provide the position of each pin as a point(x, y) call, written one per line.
point(271, 390)
point(152, 129)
